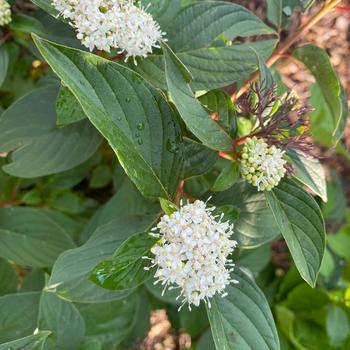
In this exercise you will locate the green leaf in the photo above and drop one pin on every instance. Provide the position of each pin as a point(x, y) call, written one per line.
point(4, 63)
point(8, 278)
point(46, 6)
point(206, 342)
point(211, 67)
point(169, 296)
point(18, 315)
point(227, 178)
point(115, 207)
point(30, 237)
point(167, 206)
point(255, 223)
point(194, 321)
point(131, 114)
point(340, 244)
point(101, 176)
point(32, 342)
point(34, 281)
point(274, 12)
point(109, 323)
point(310, 172)
point(301, 223)
point(68, 109)
point(200, 24)
point(198, 158)
point(254, 259)
point(242, 320)
point(219, 103)
point(26, 24)
point(69, 278)
point(317, 61)
point(63, 320)
point(40, 147)
point(126, 268)
point(337, 325)
point(192, 112)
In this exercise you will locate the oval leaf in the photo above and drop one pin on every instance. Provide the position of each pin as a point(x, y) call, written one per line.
point(301, 223)
point(242, 320)
point(133, 116)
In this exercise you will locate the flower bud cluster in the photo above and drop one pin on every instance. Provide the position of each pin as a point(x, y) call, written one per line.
point(5, 13)
point(106, 24)
point(261, 165)
point(192, 253)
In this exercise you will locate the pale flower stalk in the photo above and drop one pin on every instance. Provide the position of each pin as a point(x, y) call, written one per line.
point(192, 253)
point(261, 165)
point(107, 24)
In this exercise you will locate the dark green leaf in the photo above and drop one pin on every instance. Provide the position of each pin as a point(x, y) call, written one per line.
point(8, 278)
point(301, 223)
point(109, 323)
point(32, 342)
point(192, 112)
point(317, 61)
point(26, 24)
point(310, 172)
point(126, 269)
point(199, 24)
point(194, 321)
point(63, 320)
point(132, 115)
point(255, 223)
point(4, 63)
point(227, 178)
point(29, 236)
point(68, 109)
point(70, 274)
point(274, 12)
point(198, 158)
point(40, 147)
point(34, 281)
point(101, 176)
point(242, 320)
point(211, 67)
point(18, 315)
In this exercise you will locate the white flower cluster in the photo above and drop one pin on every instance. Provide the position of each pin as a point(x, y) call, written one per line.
point(261, 165)
point(107, 24)
point(192, 253)
point(5, 13)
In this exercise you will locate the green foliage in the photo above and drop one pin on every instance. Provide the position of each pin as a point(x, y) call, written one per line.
point(93, 152)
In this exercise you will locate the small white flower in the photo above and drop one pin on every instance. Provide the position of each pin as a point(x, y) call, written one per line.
point(261, 165)
point(192, 253)
point(106, 24)
point(5, 13)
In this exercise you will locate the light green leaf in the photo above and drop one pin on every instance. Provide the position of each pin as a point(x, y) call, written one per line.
point(227, 178)
point(46, 6)
point(40, 147)
point(30, 237)
point(4, 63)
point(211, 67)
point(337, 325)
point(63, 320)
point(317, 61)
point(192, 112)
point(8, 278)
point(301, 223)
point(69, 278)
point(199, 24)
point(32, 342)
point(18, 315)
point(110, 322)
point(242, 320)
point(255, 223)
point(131, 114)
point(310, 172)
point(167, 206)
point(68, 109)
point(126, 268)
